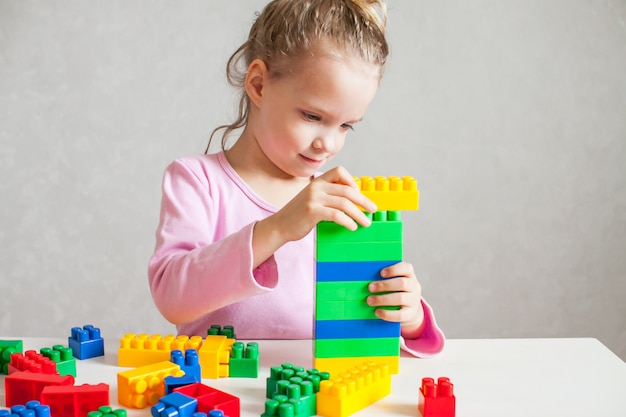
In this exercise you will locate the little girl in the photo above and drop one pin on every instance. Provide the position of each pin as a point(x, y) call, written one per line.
point(235, 241)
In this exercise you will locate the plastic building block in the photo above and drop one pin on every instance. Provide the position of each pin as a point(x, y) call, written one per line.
point(347, 329)
point(285, 372)
point(31, 361)
point(390, 193)
point(86, 342)
point(215, 356)
point(379, 231)
point(293, 397)
point(141, 350)
point(437, 399)
point(173, 382)
point(21, 387)
point(337, 365)
point(32, 409)
point(353, 390)
point(332, 348)
point(7, 348)
point(244, 360)
point(350, 271)
point(189, 362)
point(216, 329)
point(62, 356)
point(107, 411)
point(143, 386)
point(75, 400)
point(211, 399)
point(175, 405)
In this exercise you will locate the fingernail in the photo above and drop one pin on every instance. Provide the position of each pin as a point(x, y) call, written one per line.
point(370, 300)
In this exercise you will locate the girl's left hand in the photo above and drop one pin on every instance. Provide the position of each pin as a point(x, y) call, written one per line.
point(405, 291)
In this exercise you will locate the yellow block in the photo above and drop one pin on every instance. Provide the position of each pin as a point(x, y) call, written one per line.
point(353, 390)
point(144, 386)
point(390, 193)
point(143, 349)
point(214, 356)
point(334, 365)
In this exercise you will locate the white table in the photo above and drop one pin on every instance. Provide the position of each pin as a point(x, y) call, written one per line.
point(495, 377)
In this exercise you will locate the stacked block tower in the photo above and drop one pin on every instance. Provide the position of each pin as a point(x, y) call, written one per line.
point(347, 332)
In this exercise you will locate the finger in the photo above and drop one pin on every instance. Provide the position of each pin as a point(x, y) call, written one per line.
point(345, 186)
point(399, 284)
point(404, 269)
point(402, 315)
point(402, 299)
point(344, 206)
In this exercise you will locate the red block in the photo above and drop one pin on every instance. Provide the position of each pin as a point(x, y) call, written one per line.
point(31, 361)
point(75, 400)
point(211, 399)
point(21, 387)
point(437, 400)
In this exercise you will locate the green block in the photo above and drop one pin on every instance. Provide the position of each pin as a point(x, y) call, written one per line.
point(217, 330)
point(359, 251)
point(339, 348)
point(387, 231)
point(346, 310)
point(7, 348)
point(341, 290)
point(244, 362)
point(66, 363)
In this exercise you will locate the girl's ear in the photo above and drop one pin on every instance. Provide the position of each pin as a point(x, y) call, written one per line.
point(256, 77)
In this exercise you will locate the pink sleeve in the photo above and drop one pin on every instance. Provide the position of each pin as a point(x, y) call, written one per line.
point(191, 273)
point(432, 340)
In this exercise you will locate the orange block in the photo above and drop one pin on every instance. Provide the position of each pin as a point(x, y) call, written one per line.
point(144, 386)
point(214, 355)
point(143, 349)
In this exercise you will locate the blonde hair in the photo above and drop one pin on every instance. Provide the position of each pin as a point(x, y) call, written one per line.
point(288, 29)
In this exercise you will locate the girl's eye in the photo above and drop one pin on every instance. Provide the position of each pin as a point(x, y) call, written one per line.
point(347, 126)
point(310, 117)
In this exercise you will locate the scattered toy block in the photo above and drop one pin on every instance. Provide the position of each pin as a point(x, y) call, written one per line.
point(175, 405)
point(437, 399)
point(286, 372)
point(244, 360)
point(216, 329)
point(75, 400)
point(63, 357)
point(143, 386)
point(31, 361)
point(86, 342)
point(31, 409)
point(188, 362)
point(107, 411)
point(7, 348)
point(215, 356)
point(173, 382)
point(353, 390)
point(21, 387)
point(212, 399)
point(143, 349)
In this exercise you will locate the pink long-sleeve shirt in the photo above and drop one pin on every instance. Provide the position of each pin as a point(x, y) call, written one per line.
point(201, 271)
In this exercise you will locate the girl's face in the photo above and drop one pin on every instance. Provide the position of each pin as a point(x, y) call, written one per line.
point(303, 116)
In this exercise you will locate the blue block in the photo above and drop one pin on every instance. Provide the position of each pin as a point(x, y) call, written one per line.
point(189, 362)
point(350, 271)
point(173, 382)
point(350, 329)
point(86, 342)
point(175, 405)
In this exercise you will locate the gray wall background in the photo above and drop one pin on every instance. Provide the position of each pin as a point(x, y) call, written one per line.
point(511, 114)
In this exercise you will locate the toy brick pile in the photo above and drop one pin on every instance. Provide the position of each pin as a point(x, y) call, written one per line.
point(359, 350)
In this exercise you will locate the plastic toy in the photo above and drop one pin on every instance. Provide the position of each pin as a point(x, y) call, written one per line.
point(392, 193)
point(244, 360)
point(216, 329)
point(215, 356)
point(143, 349)
point(437, 399)
point(210, 399)
point(189, 362)
point(86, 342)
point(75, 400)
point(31, 361)
point(31, 409)
point(7, 348)
point(353, 390)
point(22, 387)
point(143, 386)
point(62, 356)
point(107, 411)
point(175, 405)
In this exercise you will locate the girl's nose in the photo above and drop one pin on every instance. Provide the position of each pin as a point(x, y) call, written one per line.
point(325, 142)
